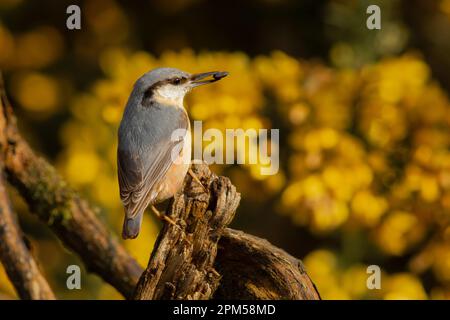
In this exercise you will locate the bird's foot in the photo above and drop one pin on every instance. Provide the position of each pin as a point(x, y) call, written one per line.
point(163, 217)
point(166, 218)
point(196, 179)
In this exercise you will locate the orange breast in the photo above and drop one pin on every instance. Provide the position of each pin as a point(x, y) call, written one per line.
point(173, 180)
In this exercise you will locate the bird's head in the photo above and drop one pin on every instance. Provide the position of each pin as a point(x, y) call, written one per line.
point(170, 85)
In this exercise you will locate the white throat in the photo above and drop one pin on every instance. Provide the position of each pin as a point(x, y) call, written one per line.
point(170, 94)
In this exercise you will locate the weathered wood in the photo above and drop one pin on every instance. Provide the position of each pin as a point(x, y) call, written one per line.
point(252, 268)
point(201, 256)
point(71, 217)
point(181, 264)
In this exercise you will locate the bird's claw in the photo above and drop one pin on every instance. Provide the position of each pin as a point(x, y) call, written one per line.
point(196, 179)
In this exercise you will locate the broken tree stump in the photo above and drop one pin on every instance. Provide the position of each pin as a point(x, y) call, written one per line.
point(189, 262)
point(182, 262)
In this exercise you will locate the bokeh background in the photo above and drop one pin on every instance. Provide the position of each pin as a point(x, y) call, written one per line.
point(364, 119)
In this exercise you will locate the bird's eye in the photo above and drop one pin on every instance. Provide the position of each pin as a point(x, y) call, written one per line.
point(176, 81)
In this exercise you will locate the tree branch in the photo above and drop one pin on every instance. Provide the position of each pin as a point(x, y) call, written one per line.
point(252, 268)
point(19, 264)
point(72, 219)
point(15, 256)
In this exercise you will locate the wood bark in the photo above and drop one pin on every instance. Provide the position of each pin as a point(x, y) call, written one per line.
point(182, 262)
point(252, 268)
point(201, 259)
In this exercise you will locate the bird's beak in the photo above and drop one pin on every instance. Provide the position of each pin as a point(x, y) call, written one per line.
point(206, 77)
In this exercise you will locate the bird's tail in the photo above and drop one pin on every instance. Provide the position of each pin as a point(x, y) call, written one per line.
point(132, 226)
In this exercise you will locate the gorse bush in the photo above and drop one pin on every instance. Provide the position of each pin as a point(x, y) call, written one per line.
point(364, 146)
point(362, 152)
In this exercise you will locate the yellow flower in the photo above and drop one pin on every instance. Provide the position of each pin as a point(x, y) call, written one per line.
point(322, 266)
point(398, 232)
point(37, 92)
point(6, 286)
point(403, 286)
point(368, 208)
point(82, 167)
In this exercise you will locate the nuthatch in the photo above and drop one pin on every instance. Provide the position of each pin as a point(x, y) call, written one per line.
point(147, 172)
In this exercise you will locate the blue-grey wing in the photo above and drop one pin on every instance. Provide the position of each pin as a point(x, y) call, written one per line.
point(145, 155)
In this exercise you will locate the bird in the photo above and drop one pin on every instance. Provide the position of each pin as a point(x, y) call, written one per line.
point(148, 173)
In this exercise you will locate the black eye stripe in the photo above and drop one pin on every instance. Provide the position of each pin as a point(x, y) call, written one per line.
point(178, 80)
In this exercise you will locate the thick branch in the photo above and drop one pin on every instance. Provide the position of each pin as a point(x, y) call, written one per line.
point(69, 216)
point(19, 264)
point(252, 268)
point(181, 264)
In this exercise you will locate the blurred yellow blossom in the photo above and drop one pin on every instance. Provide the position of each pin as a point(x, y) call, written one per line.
point(364, 152)
point(347, 163)
point(398, 232)
point(83, 167)
point(368, 208)
point(359, 149)
point(6, 286)
point(37, 92)
point(402, 287)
